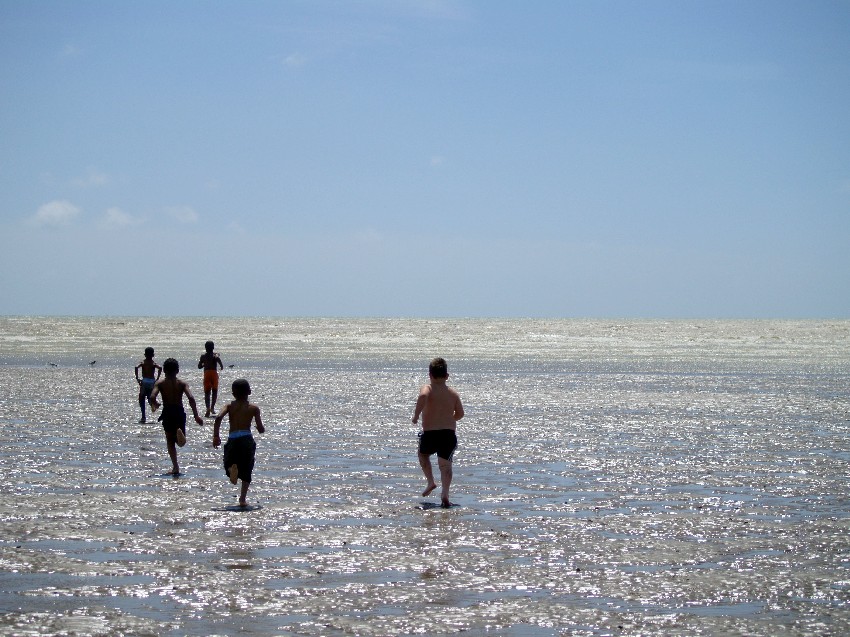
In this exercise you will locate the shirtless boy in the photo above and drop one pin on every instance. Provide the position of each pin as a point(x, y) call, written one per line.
point(173, 416)
point(210, 363)
point(148, 380)
point(440, 408)
point(240, 446)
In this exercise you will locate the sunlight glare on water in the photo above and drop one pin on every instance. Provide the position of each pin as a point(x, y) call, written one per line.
point(632, 477)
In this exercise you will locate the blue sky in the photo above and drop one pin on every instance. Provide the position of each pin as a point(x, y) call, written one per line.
point(426, 158)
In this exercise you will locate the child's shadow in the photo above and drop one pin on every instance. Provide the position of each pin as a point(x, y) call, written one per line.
point(235, 508)
point(426, 506)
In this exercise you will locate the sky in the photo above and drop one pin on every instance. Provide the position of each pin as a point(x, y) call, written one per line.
point(425, 158)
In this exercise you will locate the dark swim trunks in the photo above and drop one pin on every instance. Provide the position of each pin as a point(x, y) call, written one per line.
point(240, 451)
point(173, 417)
point(440, 441)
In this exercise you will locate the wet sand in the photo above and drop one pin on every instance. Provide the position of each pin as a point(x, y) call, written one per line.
point(701, 497)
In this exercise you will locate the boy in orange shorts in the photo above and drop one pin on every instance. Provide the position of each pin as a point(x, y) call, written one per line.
point(210, 362)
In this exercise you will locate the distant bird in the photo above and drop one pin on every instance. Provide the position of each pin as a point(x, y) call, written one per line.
point(231, 366)
point(92, 363)
point(53, 364)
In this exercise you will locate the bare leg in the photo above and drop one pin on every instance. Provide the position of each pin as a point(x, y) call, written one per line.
point(207, 401)
point(142, 405)
point(212, 401)
point(233, 473)
point(446, 479)
point(172, 452)
point(244, 494)
point(425, 463)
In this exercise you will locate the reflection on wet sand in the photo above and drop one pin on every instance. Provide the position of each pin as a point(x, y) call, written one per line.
point(676, 491)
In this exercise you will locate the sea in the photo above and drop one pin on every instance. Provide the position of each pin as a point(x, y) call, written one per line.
point(613, 477)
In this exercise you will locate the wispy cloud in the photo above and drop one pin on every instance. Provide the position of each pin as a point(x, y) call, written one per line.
point(118, 217)
point(437, 160)
point(183, 214)
point(722, 72)
point(431, 9)
point(368, 236)
point(294, 60)
point(59, 212)
point(69, 51)
point(92, 179)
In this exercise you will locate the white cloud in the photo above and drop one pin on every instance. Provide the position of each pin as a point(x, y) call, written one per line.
point(55, 213)
point(93, 179)
point(437, 160)
point(69, 51)
point(183, 214)
point(294, 60)
point(118, 217)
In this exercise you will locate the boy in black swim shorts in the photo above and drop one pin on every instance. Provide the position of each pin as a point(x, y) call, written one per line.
point(440, 441)
point(240, 446)
point(173, 416)
point(440, 407)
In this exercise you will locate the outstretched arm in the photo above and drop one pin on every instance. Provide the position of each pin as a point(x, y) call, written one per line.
point(152, 400)
point(258, 420)
point(192, 404)
point(217, 426)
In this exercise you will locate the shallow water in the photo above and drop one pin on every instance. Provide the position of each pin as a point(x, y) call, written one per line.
point(634, 477)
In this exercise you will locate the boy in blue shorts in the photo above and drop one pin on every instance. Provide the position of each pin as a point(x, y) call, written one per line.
point(148, 380)
point(440, 407)
point(240, 446)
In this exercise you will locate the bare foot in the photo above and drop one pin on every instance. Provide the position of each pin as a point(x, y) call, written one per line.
point(243, 503)
point(175, 471)
point(208, 412)
point(429, 488)
point(446, 504)
point(181, 437)
point(233, 472)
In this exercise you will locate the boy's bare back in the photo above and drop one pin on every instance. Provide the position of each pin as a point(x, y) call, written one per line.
point(241, 413)
point(210, 361)
point(148, 368)
point(172, 389)
point(440, 406)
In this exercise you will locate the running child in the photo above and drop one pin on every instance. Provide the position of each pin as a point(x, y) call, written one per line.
point(440, 407)
point(240, 447)
point(173, 415)
point(210, 363)
point(148, 380)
